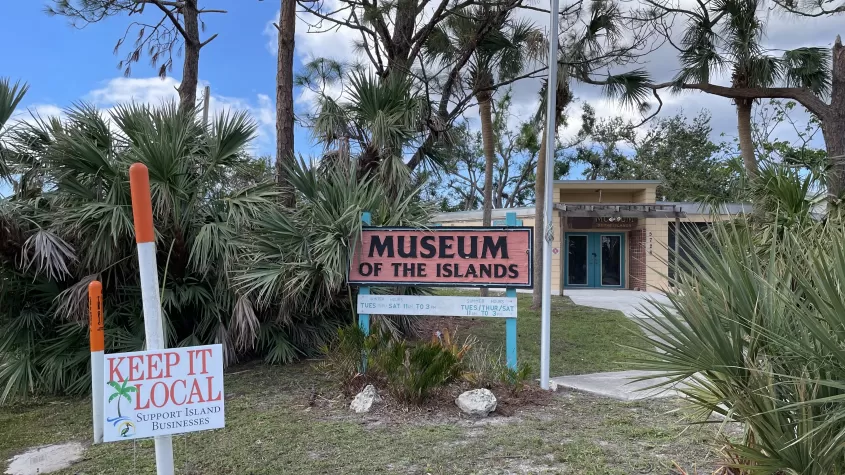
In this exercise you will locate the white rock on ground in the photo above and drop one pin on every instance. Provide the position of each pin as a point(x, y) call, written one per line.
point(45, 459)
point(364, 400)
point(478, 402)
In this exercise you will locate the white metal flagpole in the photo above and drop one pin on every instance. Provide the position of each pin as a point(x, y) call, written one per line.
point(142, 211)
point(548, 220)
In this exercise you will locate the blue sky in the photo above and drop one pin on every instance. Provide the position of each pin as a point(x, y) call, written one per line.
point(63, 64)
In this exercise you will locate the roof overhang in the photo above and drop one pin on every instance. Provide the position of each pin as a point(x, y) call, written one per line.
point(606, 185)
point(622, 210)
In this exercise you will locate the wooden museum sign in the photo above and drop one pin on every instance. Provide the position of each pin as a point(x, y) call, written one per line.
point(443, 257)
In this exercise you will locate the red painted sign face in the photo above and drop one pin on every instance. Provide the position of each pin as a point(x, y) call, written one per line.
point(443, 257)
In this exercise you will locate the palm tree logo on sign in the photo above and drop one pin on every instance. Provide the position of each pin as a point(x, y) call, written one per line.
point(121, 423)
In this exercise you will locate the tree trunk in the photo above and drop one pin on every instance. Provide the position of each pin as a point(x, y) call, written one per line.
point(833, 126)
point(191, 64)
point(539, 216)
point(486, 114)
point(746, 144)
point(400, 41)
point(284, 100)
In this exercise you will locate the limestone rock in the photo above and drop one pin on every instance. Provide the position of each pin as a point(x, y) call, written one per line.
point(364, 400)
point(478, 402)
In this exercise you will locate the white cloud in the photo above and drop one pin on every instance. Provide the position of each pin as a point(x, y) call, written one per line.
point(316, 39)
point(783, 32)
point(35, 111)
point(312, 41)
point(142, 90)
point(155, 91)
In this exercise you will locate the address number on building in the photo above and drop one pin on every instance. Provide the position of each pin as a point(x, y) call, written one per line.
point(500, 307)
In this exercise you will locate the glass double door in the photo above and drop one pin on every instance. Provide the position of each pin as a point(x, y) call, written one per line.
point(594, 260)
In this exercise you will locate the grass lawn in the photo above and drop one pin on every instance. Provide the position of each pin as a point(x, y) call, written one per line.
point(290, 419)
point(287, 420)
point(583, 339)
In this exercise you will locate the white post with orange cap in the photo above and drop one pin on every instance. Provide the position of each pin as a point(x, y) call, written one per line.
point(142, 211)
point(98, 343)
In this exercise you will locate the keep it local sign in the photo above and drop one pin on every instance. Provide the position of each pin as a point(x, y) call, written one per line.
point(161, 392)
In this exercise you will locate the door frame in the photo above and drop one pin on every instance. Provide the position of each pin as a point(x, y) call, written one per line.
point(593, 243)
point(565, 253)
point(622, 245)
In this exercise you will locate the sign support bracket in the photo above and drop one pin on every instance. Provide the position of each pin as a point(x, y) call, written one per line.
point(510, 323)
point(364, 318)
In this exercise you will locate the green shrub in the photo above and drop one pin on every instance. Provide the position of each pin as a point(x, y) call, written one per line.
point(235, 267)
point(756, 332)
point(344, 356)
point(515, 379)
point(413, 372)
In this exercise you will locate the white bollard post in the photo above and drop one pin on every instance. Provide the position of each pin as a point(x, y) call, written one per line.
point(98, 341)
point(142, 211)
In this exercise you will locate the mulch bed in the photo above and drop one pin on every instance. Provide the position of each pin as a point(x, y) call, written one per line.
point(441, 405)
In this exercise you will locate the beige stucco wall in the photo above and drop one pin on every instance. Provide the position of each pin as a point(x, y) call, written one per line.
point(586, 196)
point(646, 195)
point(657, 247)
point(657, 253)
point(657, 242)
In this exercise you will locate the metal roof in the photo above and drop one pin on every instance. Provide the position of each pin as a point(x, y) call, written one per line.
point(498, 213)
point(692, 207)
point(609, 182)
point(686, 207)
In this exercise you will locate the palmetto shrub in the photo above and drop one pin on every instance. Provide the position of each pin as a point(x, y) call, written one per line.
point(234, 267)
point(410, 371)
point(757, 332)
point(69, 221)
point(293, 263)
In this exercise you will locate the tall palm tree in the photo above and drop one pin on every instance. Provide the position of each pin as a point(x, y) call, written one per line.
point(375, 122)
point(731, 40)
point(284, 97)
point(501, 55)
point(70, 222)
point(727, 35)
point(595, 46)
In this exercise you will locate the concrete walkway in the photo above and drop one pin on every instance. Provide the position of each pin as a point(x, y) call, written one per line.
point(617, 384)
point(629, 302)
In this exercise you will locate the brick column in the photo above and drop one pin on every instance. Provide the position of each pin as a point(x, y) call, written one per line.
point(637, 259)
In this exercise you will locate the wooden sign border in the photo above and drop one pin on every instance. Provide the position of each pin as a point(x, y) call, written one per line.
point(381, 283)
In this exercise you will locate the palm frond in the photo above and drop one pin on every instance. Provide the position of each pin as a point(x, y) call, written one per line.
point(808, 67)
point(48, 253)
point(72, 303)
point(630, 88)
point(11, 96)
